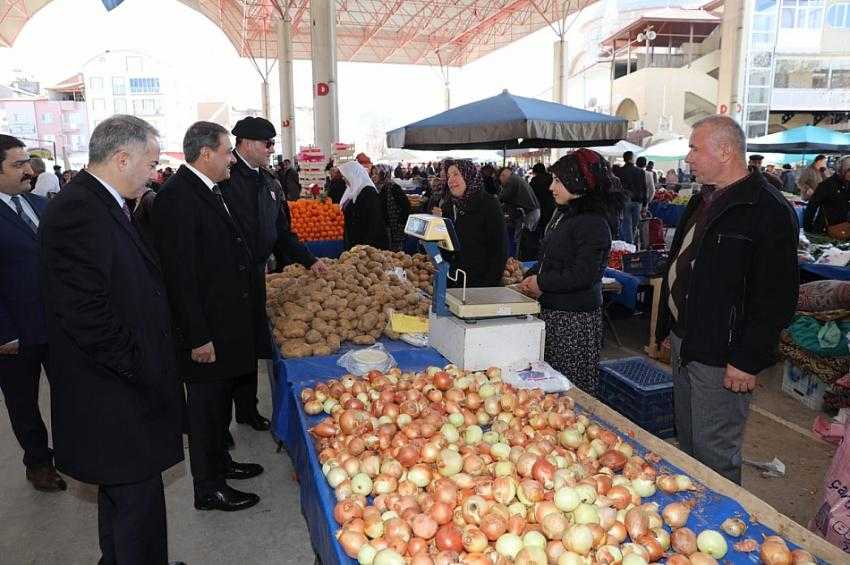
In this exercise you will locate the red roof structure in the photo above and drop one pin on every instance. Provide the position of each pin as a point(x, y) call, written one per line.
point(427, 32)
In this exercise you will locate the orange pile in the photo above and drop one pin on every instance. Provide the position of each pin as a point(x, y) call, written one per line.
point(316, 220)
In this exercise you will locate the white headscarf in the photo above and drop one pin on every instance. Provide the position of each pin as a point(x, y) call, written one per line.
point(357, 179)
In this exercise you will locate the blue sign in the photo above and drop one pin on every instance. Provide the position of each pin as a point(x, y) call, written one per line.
point(111, 4)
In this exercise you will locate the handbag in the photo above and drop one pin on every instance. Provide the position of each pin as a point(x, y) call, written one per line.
point(838, 231)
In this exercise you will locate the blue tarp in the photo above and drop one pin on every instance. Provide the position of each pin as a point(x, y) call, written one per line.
point(668, 213)
point(318, 500)
point(802, 140)
point(507, 121)
point(827, 272)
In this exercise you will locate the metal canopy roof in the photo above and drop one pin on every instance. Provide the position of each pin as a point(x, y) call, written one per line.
point(428, 32)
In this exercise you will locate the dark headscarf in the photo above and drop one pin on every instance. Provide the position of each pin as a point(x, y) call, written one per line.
point(470, 175)
point(588, 175)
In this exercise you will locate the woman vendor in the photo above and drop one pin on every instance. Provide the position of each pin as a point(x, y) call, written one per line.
point(479, 224)
point(567, 279)
point(361, 206)
point(394, 205)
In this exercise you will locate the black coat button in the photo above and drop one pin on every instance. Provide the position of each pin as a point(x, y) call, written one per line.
point(245, 295)
point(242, 267)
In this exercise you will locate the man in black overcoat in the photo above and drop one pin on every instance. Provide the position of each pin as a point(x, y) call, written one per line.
point(211, 283)
point(258, 203)
point(115, 395)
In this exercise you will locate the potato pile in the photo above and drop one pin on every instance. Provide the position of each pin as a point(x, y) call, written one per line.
point(313, 315)
point(513, 273)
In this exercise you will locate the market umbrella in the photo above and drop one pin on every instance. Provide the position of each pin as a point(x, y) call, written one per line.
point(801, 140)
point(506, 121)
point(397, 155)
point(618, 149)
point(671, 150)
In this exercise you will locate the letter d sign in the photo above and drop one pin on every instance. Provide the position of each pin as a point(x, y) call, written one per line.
point(322, 89)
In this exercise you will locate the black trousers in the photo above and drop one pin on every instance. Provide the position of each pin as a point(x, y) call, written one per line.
point(131, 523)
point(19, 379)
point(208, 408)
point(245, 396)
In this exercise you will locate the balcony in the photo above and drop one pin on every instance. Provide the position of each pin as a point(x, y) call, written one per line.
point(810, 99)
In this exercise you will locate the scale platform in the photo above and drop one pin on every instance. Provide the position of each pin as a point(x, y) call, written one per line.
point(490, 302)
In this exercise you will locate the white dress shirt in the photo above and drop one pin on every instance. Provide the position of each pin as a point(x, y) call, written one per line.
point(7, 198)
point(206, 180)
point(46, 183)
point(115, 194)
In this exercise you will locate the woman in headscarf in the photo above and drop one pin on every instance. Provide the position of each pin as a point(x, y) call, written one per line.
point(567, 279)
point(479, 224)
point(394, 204)
point(361, 206)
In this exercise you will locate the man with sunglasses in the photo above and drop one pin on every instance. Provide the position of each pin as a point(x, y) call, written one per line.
point(258, 203)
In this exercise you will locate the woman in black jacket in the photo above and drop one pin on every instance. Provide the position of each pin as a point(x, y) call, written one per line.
point(568, 277)
point(394, 204)
point(479, 224)
point(361, 206)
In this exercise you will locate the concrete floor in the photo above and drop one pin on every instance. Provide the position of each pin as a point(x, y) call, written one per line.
point(45, 529)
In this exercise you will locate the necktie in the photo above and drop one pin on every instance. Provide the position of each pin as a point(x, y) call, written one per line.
point(217, 191)
point(126, 210)
point(16, 200)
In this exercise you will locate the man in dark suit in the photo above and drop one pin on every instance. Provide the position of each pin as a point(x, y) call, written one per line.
point(257, 202)
point(23, 333)
point(211, 284)
point(115, 394)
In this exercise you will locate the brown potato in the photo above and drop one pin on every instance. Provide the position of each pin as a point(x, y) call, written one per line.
point(313, 337)
point(293, 328)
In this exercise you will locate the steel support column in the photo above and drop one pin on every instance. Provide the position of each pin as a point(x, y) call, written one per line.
point(323, 47)
point(287, 92)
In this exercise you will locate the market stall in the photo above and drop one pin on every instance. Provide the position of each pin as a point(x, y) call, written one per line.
point(715, 499)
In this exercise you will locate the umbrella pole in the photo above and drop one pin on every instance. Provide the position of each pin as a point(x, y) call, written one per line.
point(504, 155)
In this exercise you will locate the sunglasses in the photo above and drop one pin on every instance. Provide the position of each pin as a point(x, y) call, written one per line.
point(269, 143)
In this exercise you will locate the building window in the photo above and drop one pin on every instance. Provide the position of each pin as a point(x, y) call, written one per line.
point(838, 15)
point(802, 14)
point(98, 105)
point(47, 118)
point(144, 86)
point(119, 87)
point(149, 106)
point(96, 83)
point(801, 73)
point(120, 105)
point(840, 76)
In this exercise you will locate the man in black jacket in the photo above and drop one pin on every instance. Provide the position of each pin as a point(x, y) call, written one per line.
point(211, 280)
point(830, 203)
point(633, 181)
point(115, 395)
point(288, 176)
point(730, 288)
point(257, 202)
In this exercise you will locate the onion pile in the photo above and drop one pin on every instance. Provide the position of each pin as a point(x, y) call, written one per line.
point(446, 466)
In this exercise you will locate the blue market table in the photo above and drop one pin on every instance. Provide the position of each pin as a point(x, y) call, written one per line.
point(718, 498)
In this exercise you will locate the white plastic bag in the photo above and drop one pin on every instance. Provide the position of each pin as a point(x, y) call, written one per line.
point(361, 361)
point(535, 374)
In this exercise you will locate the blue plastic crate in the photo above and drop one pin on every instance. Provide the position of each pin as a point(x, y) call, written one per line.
point(641, 392)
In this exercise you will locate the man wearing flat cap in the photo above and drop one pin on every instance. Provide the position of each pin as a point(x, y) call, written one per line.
point(755, 165)
point(257, 201)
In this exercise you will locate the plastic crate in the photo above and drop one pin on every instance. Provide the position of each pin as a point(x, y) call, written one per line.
point(644, 263)
point(806, 388)
point(641, 392)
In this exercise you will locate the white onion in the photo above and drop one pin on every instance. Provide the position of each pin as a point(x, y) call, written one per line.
point(586, 493)
point(472, 435)
point(508, 545)
point(336, 476)
point(450, 432)
point(566, 499)
point(534, 538)
point(712, 543)
point(500, 451)
point(388, 557)
point(361, 483)
point(586, 514)
point(366, 555)
point(456, 419)
point(644, 487)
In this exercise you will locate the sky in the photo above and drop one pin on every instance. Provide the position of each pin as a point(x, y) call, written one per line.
point(372, 98)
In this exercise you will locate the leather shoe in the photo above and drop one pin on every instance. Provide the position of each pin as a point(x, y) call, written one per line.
point(238, 471)
point(259, 423)
point(45, 478)
point(229, 443)
point(226, 499)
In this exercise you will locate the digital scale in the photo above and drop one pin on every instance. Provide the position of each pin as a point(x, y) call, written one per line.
point(475, 328)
